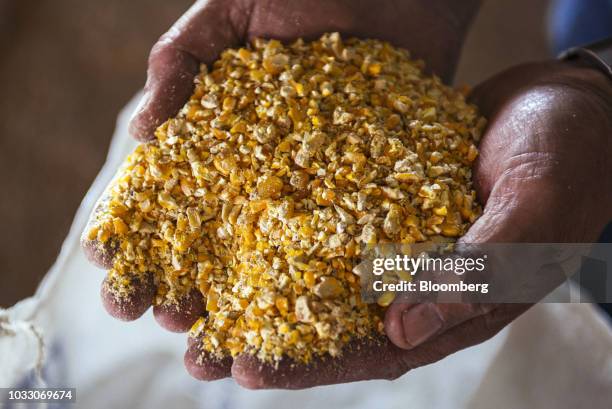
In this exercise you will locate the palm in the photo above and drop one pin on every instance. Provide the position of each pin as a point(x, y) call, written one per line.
point(527, 173)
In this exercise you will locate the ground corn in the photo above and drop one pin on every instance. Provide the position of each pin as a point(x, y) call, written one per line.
point(284, 162)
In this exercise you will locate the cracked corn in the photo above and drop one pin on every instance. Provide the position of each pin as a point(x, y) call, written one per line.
point(286, 160)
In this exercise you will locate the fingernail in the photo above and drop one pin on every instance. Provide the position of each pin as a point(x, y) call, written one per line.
point(144, 99)
point(420, 323)
point(135, 123)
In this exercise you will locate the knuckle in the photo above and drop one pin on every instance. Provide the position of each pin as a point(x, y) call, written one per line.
point(489, 322)
point(481, 309)
point(158, 48)
point(164, 49)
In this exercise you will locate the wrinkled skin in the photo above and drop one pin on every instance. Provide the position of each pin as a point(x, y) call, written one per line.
point(544, 174)
point(544, 171)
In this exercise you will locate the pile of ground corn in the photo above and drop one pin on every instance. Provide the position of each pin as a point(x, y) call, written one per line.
point(285, 161)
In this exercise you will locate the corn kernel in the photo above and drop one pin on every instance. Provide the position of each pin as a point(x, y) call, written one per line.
point(386, 299)
point(120, 226)
point(309, 278)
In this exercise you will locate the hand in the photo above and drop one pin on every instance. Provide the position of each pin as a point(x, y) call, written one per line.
point(545, 174)
point(543, 118)
point(198, 37)
point(433, 30)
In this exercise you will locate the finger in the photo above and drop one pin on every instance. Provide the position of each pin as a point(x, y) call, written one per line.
point(499, 89)
point(367, 358)
point(197, 37)
point(202, 365)
point(127, 298)
point(169, 84)
point(99, 254)
point(179, 315)
point(409, 325)
point(375, 358)
point(469, 333)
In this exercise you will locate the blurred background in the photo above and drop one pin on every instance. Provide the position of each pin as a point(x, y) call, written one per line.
point(67, 67)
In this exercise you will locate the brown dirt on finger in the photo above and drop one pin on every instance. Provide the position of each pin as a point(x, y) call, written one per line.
point(179, 315)
point(204, 366)
point(363, 359)
point(127, 298)
point(98, 253)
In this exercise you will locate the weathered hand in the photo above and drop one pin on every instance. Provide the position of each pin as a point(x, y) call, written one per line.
point(545, 175)
point(431, 30)
point(544, 171)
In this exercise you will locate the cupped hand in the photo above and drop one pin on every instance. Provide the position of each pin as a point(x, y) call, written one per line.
point(544, 118)
point(431, 30)
point(545, 176)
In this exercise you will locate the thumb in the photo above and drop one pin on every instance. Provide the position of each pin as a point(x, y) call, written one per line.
point(197, 37)
point(409, 325)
